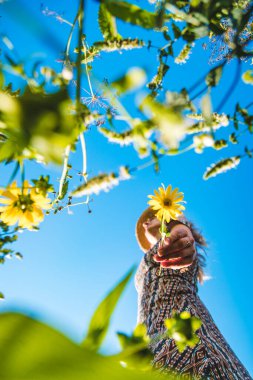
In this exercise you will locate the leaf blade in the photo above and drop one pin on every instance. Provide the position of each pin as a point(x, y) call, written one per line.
point(100, 320)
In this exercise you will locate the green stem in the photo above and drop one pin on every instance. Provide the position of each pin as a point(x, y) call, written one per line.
point(64, 170)
point(84, 155)
point(70, 37)
point(78, 86)
point(79, 58)
point(161, 155)
point(231, 88)
point(22, 171)
point(87, 71)
point(77, 204)
point(14, 173)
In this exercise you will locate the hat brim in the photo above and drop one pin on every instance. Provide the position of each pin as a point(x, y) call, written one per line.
point(140, 231)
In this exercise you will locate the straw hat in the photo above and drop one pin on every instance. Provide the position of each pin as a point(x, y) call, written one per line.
point(140, 231)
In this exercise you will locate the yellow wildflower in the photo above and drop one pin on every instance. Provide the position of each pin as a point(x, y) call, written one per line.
point(22, 207)
point(167, 203)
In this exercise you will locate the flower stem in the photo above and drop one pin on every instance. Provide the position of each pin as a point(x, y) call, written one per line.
point(162, 241)
point(22, 171)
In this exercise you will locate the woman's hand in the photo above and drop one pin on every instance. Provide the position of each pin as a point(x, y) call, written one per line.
point(178, 250)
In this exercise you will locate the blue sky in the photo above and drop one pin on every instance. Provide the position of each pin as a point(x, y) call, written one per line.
point(71, 263)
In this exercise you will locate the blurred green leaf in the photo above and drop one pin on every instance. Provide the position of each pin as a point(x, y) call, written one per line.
point(100, 320)
point(64, 189)
point(107, 23)
point(222, 166)
point(134, 78)
point(131, 13)
point(206, 107)
point(214, 76)
point(1, 79)
point(233, 139)
point(248, 152)
point(43, 185)
point(167, 118)
point(138, 336)
point(156, 82)
point(118, 44)
point(7, 236)
point(176, 31)
point(182, 328)
point(37, 126)
point(31, 350)
point(247, 77)
point(220, 144)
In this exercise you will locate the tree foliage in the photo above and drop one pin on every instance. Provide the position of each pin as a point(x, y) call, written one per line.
point(44, 123)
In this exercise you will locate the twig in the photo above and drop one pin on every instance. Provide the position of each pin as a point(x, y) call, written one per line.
point(231, 88)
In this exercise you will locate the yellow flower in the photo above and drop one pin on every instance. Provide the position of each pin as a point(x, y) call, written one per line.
point(167, 203)
point(24, 208)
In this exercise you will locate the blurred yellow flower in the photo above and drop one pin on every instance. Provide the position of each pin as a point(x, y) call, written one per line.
point(22, 207)
point(167, 203)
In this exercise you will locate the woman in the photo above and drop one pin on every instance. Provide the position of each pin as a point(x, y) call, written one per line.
point(174, 287)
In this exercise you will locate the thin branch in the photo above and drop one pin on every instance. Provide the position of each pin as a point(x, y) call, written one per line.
point(231, 88)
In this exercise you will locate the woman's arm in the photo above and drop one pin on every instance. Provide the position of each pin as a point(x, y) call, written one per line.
point(151, 284)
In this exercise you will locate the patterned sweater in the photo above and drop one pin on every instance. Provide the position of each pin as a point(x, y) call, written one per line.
point(158, 295)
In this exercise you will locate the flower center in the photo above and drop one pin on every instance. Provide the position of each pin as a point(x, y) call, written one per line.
point(167, 202)
point(24, 203)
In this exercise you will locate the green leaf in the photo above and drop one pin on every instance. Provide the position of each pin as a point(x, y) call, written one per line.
point(220, 144)
point(196, 323)
point(43, 185)
point(64, 190)
point(222, 166)
point(176, 30)
point(214, 76)
point(31, 350)
point(100, 320)
point(2, 137)
point(131, 13)
point(247, 77)
point(184, 53)
point(248, 152)
point(182, 328)
point(235, 120)
point(37, 126)
point(132, 80)
point(1, 79)
point(107, 23)
point(96, 184)
point(168, 120)
point(233, 139)
point(206, 107)
point(157, 80)
point(118, 44)
point(136, 353)
point(180, 15)
point(195, 3)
